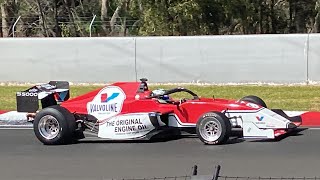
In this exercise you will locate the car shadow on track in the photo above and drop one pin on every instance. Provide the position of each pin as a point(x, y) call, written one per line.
point(97, 140)
point(232, 140)
point(295, 132)
point(236, 137)
point(164, 136)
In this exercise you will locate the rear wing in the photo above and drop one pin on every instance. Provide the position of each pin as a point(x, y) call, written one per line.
point(49, 94)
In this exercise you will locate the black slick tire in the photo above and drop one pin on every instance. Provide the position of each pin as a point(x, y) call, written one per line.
point(216, 119)
point(65, 121)
point(254, 99)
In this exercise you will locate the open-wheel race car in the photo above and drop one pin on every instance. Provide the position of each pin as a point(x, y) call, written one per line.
point(130, 110)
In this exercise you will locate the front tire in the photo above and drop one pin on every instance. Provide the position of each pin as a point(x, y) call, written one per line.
point(54, 125)
point(213, 128)
point(255, 100)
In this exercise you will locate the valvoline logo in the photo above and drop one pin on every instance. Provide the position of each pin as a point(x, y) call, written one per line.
point(106, 98)
point(259, 118)
point(107, 103)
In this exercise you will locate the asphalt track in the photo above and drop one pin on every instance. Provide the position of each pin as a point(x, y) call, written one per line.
point(22, 156)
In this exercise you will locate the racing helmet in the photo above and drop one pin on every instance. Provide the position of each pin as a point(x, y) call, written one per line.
point(161, 93)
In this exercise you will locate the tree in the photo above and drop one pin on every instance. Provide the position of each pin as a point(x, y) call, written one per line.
point(104, 15)
point(168, 17)
point(9, 10)
point(159, 17)
point(5, 23)
point(316, 25)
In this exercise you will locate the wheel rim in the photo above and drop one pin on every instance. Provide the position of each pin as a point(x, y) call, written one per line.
point(49, 127)
point(211, 130)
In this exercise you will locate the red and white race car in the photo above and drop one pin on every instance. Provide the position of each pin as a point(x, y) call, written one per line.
point(130, 110)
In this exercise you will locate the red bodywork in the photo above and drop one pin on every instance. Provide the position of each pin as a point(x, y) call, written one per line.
point(136, 102)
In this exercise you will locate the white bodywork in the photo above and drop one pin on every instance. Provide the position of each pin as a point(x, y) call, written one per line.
point(259, 123)
point(127, 126)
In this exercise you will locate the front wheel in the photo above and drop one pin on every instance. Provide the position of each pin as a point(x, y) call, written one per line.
point(54, 125)
point(255, 100)
point(213, 128)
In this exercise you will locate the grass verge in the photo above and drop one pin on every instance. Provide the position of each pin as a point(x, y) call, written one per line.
point(304, 98)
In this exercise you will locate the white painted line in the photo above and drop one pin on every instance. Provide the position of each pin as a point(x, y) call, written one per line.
point(16, 125)
point(313, 128)
point(15, 128)
point(24, 128)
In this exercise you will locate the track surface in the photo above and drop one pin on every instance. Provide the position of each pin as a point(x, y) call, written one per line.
point(22, 156)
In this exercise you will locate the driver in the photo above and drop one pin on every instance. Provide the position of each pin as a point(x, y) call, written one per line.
point(161, 92)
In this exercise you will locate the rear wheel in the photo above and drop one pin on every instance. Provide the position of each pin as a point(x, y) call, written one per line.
point(54, 125)
point(213, 128)
point(255, 100)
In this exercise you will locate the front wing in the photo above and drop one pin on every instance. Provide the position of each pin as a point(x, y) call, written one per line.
point(263, 123)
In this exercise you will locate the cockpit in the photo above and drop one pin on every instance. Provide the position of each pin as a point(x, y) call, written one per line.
point(163, 95)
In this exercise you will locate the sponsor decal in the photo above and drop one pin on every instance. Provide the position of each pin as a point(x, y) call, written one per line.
point(27, 94)
point(60, 96)
point(259, 118)
point(107, 103)
point(46, 86)
point(270, 125)
point(252, 105)
point(33, 90)
point(126, 126)
point(105, 98)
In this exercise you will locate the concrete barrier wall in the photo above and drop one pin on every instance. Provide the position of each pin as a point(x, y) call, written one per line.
point(213, 59)
point(314, 58)
point(222, 59)
point(72, 59)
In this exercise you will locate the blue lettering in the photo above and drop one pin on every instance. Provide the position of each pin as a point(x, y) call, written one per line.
point(92, 108)
point(103, 107)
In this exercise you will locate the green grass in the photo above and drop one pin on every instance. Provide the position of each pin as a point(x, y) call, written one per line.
point(284, 97)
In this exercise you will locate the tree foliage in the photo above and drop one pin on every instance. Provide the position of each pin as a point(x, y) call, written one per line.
point(66, 18)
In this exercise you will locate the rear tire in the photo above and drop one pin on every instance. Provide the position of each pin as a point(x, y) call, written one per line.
point(255, 100)
point(213, 128)
point(54, 125)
